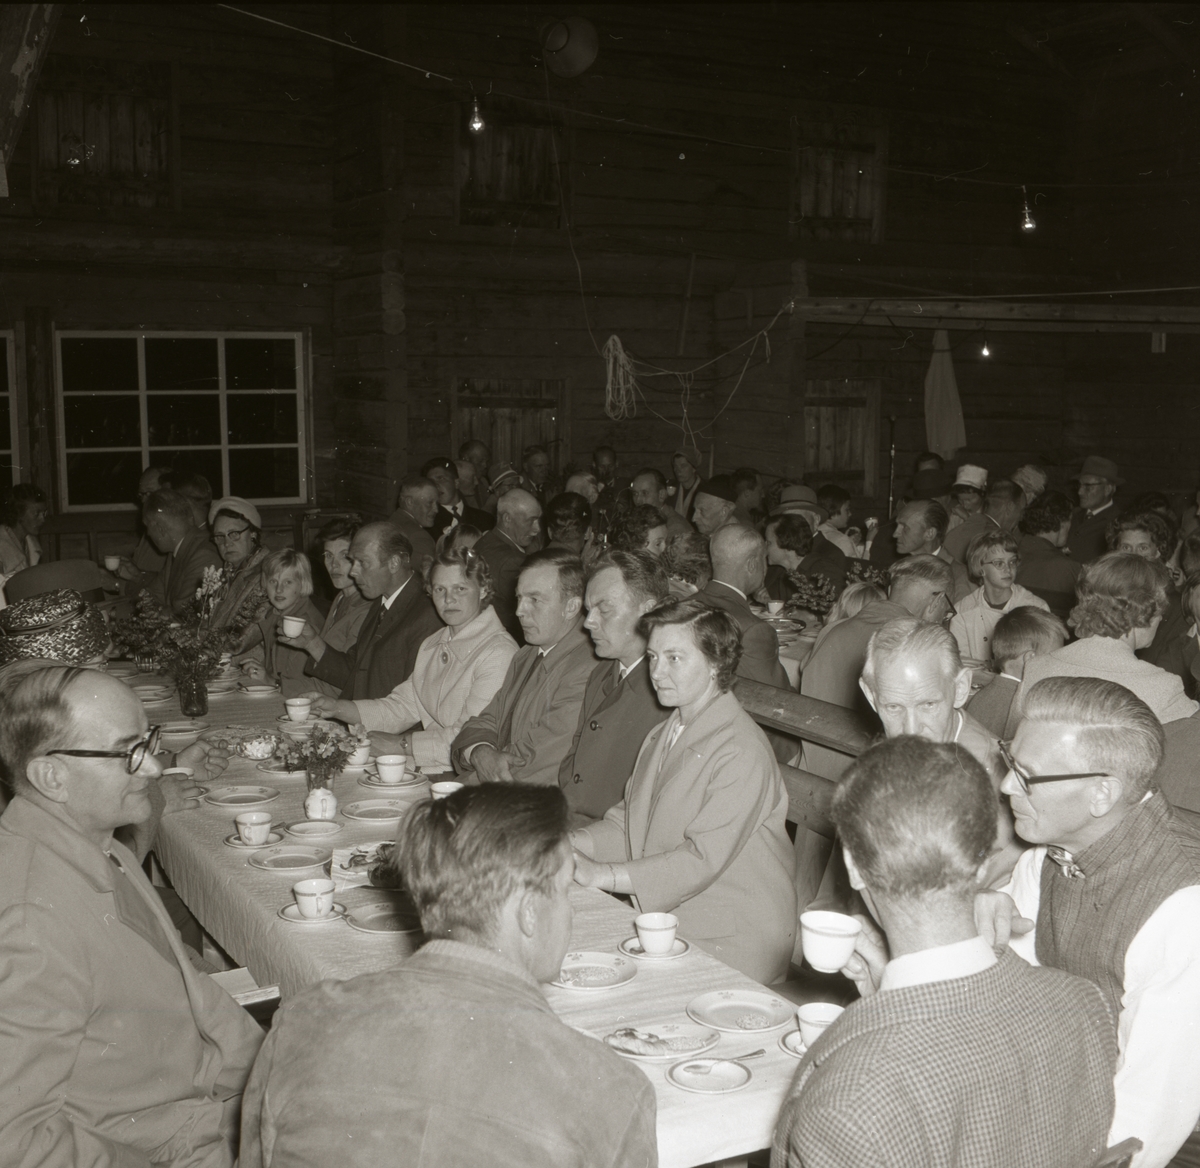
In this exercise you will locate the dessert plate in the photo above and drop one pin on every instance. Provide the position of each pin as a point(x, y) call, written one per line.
point(290, 857)
point(375, 810)
point(241, 796)
point(719, 1076)
point(594, 971)
point(740, 1011)
point(313, 829)
point(673, 1040)
point(382, 917)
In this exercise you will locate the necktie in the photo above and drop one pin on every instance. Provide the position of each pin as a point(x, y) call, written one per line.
point(1065, 861)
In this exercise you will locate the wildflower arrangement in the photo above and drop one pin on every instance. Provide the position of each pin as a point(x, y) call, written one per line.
point(323, 754)
point(863, 572)
point(815, 592)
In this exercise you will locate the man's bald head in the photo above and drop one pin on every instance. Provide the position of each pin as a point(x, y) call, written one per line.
point(517, 516)
point(739, 557)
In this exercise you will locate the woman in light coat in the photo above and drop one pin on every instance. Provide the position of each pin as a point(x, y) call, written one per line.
point(700, 832)
point(457, 672)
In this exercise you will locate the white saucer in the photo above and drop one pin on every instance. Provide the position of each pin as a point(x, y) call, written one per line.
point(791, 1043)
point(313, 828)
point(632, 947)
point(377, 784)
point(291, 914)
point(235, 841)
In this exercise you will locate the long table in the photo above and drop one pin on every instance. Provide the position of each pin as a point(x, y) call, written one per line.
point(238, 905)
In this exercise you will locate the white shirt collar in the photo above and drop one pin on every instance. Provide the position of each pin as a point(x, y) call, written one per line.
point(733, 589)
point(941, 963)
point(390, 600)
point(1099, 509)
point(623, 672)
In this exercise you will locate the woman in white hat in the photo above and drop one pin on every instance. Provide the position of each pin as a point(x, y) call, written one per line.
point(237, 531)
point(970, 486)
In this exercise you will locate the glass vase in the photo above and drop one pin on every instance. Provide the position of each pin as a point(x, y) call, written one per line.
point(193, 695)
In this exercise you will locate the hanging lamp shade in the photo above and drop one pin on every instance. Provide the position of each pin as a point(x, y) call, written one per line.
point(569, 46)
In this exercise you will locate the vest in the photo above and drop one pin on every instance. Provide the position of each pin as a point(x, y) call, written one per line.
point(1085, 924)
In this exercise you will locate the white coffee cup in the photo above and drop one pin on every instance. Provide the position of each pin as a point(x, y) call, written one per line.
point(314, 898)
point(360, 757)
point(441, 790)
point(293, 626)
point(253, 826)
point(391, 767)
point(656, 931)
point(814, 1017)
point(828, 938)
point(298, 709)
point(112, 563)
point(179, 773)
point(774, 607)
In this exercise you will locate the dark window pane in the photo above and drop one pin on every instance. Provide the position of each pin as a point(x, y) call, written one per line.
point(3, 364)
point(5, 432)
point(191, 419)
point(202, 462)
point(100, 364)
point(102, 421)
point(260, 364)
point(103, 478)
point(6, 469)
point(264, 474)
point(181, 363)
point(261, 417)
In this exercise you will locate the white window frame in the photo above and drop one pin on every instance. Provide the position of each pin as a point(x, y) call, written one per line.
point(222, 392)
point(14, 435)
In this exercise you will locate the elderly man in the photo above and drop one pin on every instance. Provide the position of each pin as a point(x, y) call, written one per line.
point(517, 530)
point(453, 508)
point(954, 1056)
point(920, 530)
point(1044, 569)
point(170, 525)
point(1098, 482)
point(620, 706)
point(416, 516)
point(1003, 510)
point(527, 728)
point(455, 1057)
point(649, 487)
point(400, 617)
point(195, 488)
point(717, 507)
point(1113, 882)
point(535, 466)
point(114, 1050)
point(147, 561)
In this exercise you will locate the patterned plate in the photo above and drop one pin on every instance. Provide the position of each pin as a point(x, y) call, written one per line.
point(375, 810)
point(679, 1040)
point(241, 796)
point(382, 917)
point(290, 857)
point(594, 971)
point(740, 1011)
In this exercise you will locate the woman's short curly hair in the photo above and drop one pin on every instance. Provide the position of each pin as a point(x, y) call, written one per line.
point(714, 631)
point(1152, 523)
point(631, 531)
point(1118, 593)
point(474, 567)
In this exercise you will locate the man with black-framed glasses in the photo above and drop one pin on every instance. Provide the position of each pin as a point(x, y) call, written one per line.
point(1113, 883)
point(114, 1049)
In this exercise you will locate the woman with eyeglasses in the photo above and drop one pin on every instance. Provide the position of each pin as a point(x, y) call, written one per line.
point(991, 558)
point(237, 532)
point(457, 672)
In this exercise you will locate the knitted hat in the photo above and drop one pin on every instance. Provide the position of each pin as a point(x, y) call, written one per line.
point(239, 506)
point(60, 625)
point(693, 456)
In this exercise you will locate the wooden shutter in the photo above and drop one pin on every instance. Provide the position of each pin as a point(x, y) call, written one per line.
point(839, 180)
point(841, 434)
point(509, 415)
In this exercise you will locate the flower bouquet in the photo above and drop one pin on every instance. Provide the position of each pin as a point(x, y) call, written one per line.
point(323, 755)
point(814, 593)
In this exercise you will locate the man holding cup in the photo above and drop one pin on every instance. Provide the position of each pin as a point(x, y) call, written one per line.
point(938, 1062)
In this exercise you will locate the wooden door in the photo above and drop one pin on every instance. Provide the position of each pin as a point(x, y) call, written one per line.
point(510, 415)
point(841, 434)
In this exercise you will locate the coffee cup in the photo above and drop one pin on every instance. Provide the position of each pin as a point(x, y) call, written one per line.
point(814, 1018)
point(112, 563)
point(828, 938)
point(656, 932)
point(178, 773)
point(293, 626)
point(441, 790)
point(774, 607)
point(253, 826)
point(314, 898)
point(391, 767)
point(298, 709)
point(361, 756)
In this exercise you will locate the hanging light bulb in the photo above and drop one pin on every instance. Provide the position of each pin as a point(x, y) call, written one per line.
point(476, 123)
point(1027, 223)
point(985, 351)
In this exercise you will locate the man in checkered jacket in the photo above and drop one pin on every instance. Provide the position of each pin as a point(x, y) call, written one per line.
point(954, 1057)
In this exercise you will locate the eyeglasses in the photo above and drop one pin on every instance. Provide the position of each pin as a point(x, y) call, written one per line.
point(1027, 780)
point(1001, 565)
point(134, 756)
point(230, 536)
point(951, 611)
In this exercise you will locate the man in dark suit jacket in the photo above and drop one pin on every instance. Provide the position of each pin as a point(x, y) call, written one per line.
point(452, 507)
point(620, 706)
point(937, 1061)
point(1098, 481)
point(169, 523)
point(401, 616)
point(1045, 569)
point(518, 520)
point(415, 517)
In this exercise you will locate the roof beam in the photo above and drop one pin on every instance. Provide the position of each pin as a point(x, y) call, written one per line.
point(25, 32)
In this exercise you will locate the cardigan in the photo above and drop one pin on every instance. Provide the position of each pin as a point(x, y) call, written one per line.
point(972, 625)
point(702, 832)
point(456, 674)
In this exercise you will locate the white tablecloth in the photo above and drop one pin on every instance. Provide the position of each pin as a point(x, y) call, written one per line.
point(238, 905)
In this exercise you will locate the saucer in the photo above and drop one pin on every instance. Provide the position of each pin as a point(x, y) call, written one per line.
point(791, 1043)
point(291, 914)
point(313, 828)
point(235, 841)
point(632, 947)
point(377, 784)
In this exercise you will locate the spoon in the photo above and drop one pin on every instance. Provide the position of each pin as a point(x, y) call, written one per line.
point(706, 1068)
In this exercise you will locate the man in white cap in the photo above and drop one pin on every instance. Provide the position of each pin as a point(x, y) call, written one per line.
point(969, 486)
point(1098, 482)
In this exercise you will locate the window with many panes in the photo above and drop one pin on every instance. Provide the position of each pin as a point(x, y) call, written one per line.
point(10, 456)
point(229, 406)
